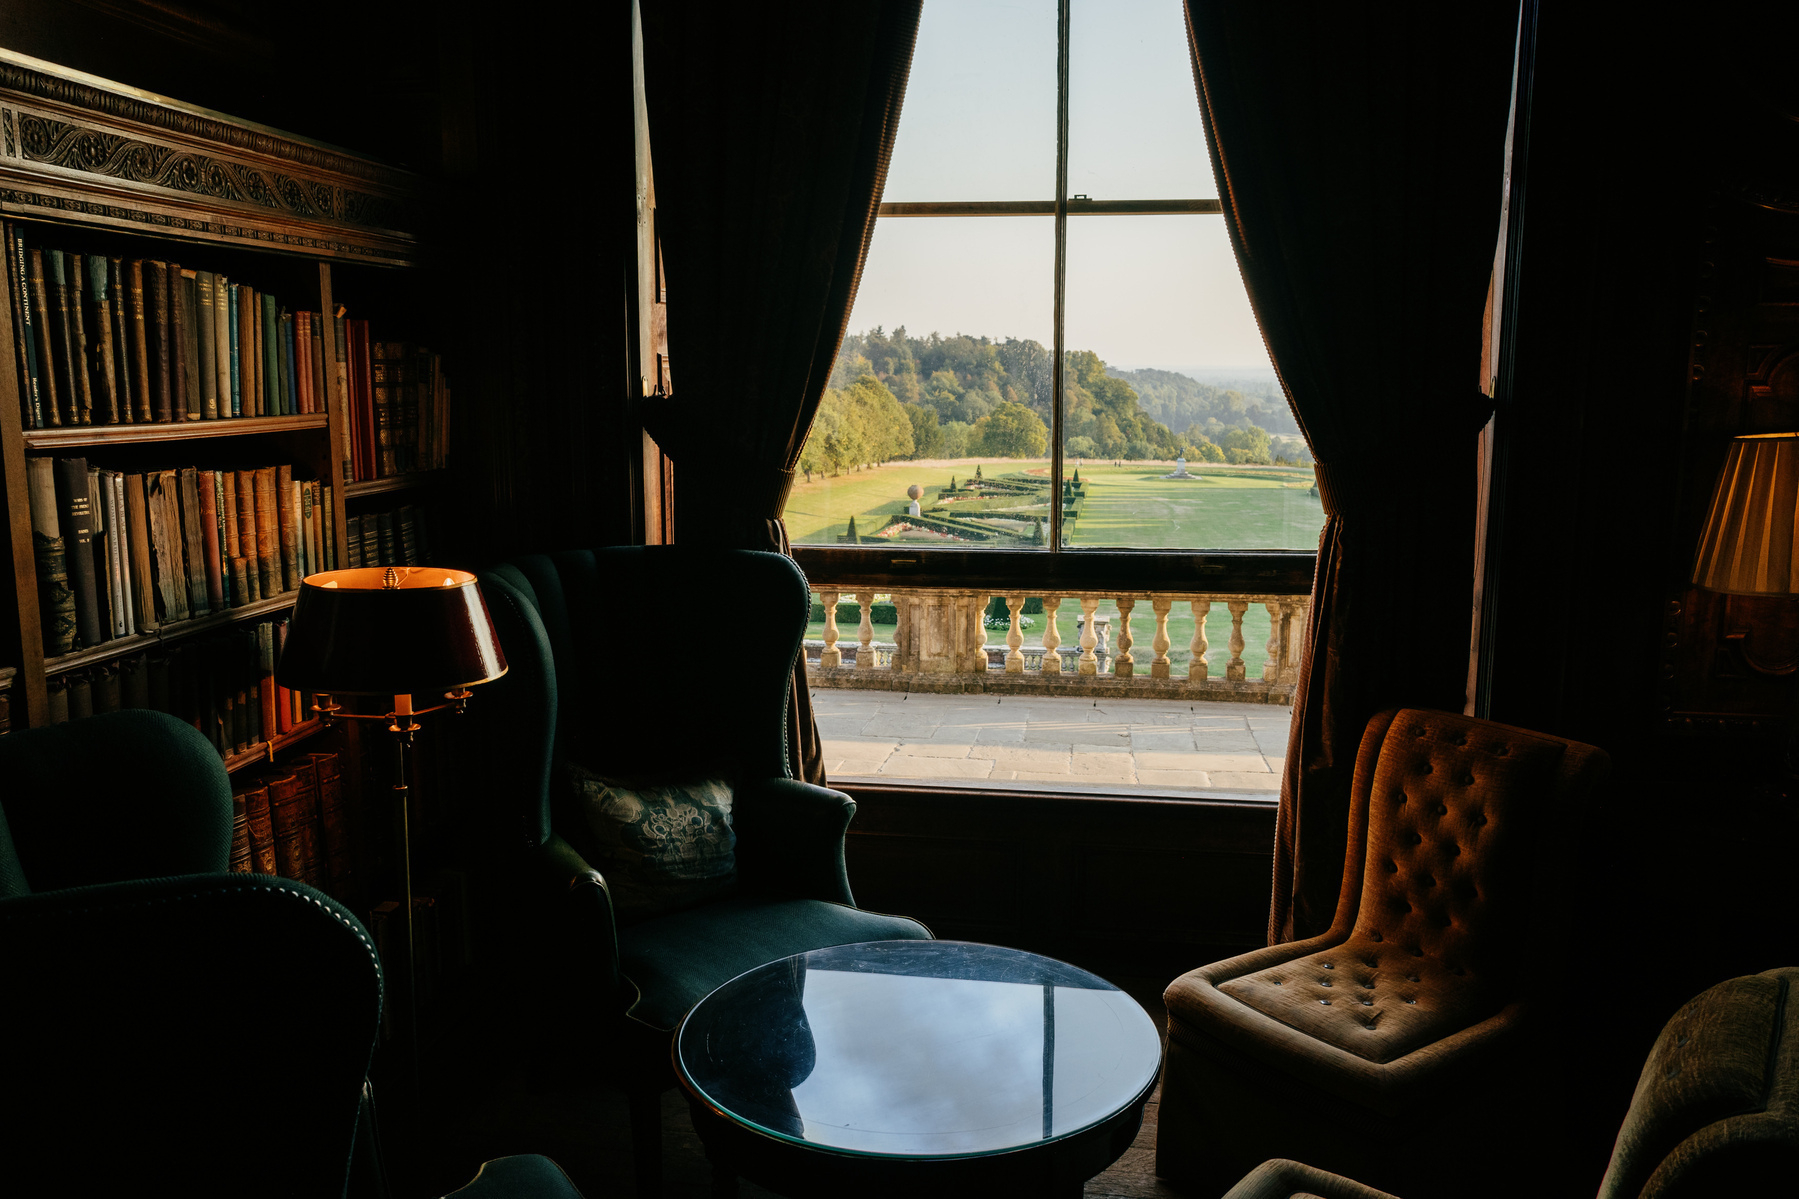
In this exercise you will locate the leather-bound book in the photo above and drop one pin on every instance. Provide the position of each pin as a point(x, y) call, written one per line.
point(56, 599)
point(260, 827)
point(334, 824)
point(81, 695)
point(121, 550)
point(371, 541)
point(295, 847)
point(206, 345)
point(65, 365)
point(290, 378)
point(24, 334)
point(284, 699)
point(390, 548)
point(408, 535)
point(134, 681)
point(159, 339)
point(320, 385)
point(221, 342)
point(303, 361)
point(289, 500)
point(271, 357)
point(340, 374)
point(240, 835)
point(102, 367)
point(98, 539)
point(179, 312)
point(229, 549)
point(193, 548)
point(249, 332)
point(268, 533)
point(167, 556)
point(40, 322)
point(137, 539)
point(106, 687)
point(385, 374)
point(371, 449)
point(56, 694)
point(246, 531)
point(75, 517)
point(265, 680)
point(353, 541)
point(187, 294)
point(330, 534)
point(234, 301)
point(316, 495)
point(141, 360)
point(79, 339)
point(121, 341)
point(308, 543)
point(207, 483)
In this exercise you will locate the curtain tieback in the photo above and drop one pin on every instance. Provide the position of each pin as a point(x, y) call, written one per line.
point(783, 486)
point(1329, 488)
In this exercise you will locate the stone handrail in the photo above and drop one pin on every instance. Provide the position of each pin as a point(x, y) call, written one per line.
point(940, 644)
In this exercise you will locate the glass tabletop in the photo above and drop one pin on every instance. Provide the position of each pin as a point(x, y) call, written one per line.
point(918, 1049)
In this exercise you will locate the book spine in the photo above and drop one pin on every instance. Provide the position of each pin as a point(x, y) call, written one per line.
point(287, 815)
point(40, 320)
point(140, 342)
point(389, 550)
point(118, 549)
point(250, 330)
point(78, 340)
point(235, 305)
point(221, 343)
point(334, 823)
point(330, 535)
point(25, 332)
point(371, 451)
point(57, 286)
point(164, 511)
point(321, 387)
point(223, 494)
point(314, 497)
point(191, 379)
point(158, 338)
point(137, 525)
point(230, 550)
point(247, 534)
point(307, 543)
point(75, 517)
point(289, 499)
point(105, 586)
point(381, 378)
point(193, 528)
point(56, 599)
point(265, 678)
point(271, 373)
point(268, 525)
point(103, 369)
point(302, 373)
point(178, 379)
point(284, 714)
point(207, 483)
point(240, 836)
point(289, 379)
point(123, 376)
point(340, 372)
point(408, 534)
point(353, 541)
point(371, 541)
point(206, 345)
point(312, 833)
point(261, 829)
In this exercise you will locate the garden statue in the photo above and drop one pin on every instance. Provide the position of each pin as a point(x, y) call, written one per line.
point(912, 493)
point(1180, 470)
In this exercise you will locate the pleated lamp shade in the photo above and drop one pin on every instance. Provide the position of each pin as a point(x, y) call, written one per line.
point(1748, 545)
point(355, 632)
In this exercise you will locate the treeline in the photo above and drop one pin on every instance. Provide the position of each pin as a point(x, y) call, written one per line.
point(895, 396)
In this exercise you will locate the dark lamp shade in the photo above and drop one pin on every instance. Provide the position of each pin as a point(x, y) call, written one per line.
point(350, 635)
point(1748, 545)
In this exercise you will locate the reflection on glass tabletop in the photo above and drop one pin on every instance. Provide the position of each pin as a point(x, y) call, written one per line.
point(918, 1049)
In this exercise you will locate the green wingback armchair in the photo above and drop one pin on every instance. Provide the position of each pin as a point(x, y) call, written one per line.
point(588, 685)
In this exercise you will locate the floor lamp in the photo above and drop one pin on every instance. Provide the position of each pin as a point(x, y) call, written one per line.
point(397, 632)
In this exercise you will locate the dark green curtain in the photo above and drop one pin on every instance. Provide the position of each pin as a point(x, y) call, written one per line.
point(770, 131)
point(1359, 153)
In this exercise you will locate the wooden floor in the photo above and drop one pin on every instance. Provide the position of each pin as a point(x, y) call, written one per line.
point(484, 1108)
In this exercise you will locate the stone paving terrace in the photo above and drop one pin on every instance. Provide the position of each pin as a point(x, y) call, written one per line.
point(1176, 747)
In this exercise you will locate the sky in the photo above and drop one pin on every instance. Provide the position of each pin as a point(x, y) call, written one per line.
point(979, 124)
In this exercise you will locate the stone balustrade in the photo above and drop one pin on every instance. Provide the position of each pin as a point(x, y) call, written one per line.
point(940, 643)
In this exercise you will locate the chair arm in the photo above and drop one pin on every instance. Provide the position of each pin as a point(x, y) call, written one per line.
point(581, 907)
point(1281, 1179)
point(790, 840)
point(527, 1176)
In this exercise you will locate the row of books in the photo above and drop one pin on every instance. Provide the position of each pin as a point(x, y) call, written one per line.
point(294, 822)
point(119, 341)
point(396, 538)
point(222, 683)
point(125, 553)
point(399, 404)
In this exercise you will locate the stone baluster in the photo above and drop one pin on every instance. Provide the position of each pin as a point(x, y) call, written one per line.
point(1158, 666)
point(832, 656)
point(1234, 670)
point(1089, 638)
point(974, 613)
point(1014, 636)
point(905, 633)
point(865, 632)
point(1197, 665)
point(1124, 664)
point(1297, 631)
point(1052, 661)
point(1277, 639)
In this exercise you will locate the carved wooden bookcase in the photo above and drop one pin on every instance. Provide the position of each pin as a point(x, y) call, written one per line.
point(82, 157)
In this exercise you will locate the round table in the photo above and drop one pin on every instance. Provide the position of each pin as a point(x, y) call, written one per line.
point(917, 1068)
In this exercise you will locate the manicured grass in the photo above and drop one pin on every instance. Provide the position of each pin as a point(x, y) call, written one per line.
point(1128, 506)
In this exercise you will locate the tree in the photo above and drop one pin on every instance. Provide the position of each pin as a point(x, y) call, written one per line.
point(1011, 431)
point(1082, 447)
point(851, 536)
point(927, 430)
point(1252, 440)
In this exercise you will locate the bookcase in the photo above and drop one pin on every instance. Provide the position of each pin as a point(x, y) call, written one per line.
point(117, 175)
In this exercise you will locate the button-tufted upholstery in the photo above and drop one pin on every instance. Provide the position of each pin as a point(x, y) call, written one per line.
point(1716, 1111)
point(1331, 1050)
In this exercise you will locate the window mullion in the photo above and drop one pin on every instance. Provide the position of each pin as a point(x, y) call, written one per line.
point(1057, 381)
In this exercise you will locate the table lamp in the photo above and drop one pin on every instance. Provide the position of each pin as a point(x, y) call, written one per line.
point(396, 632)
point(1748, 546)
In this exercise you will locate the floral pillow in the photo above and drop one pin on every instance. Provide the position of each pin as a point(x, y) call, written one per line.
point(661, 848)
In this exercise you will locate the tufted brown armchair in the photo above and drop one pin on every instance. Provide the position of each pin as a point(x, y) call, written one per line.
point(1388, 1046)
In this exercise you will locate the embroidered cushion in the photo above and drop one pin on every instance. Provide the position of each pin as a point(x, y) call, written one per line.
point(662, 847)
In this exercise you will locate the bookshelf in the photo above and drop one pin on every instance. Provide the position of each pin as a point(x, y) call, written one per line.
point(109, 171)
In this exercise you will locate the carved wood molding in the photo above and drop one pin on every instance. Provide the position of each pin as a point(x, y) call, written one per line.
point(72, 148)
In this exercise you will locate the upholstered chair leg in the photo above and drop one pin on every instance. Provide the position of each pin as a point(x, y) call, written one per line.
point(646, 1140)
